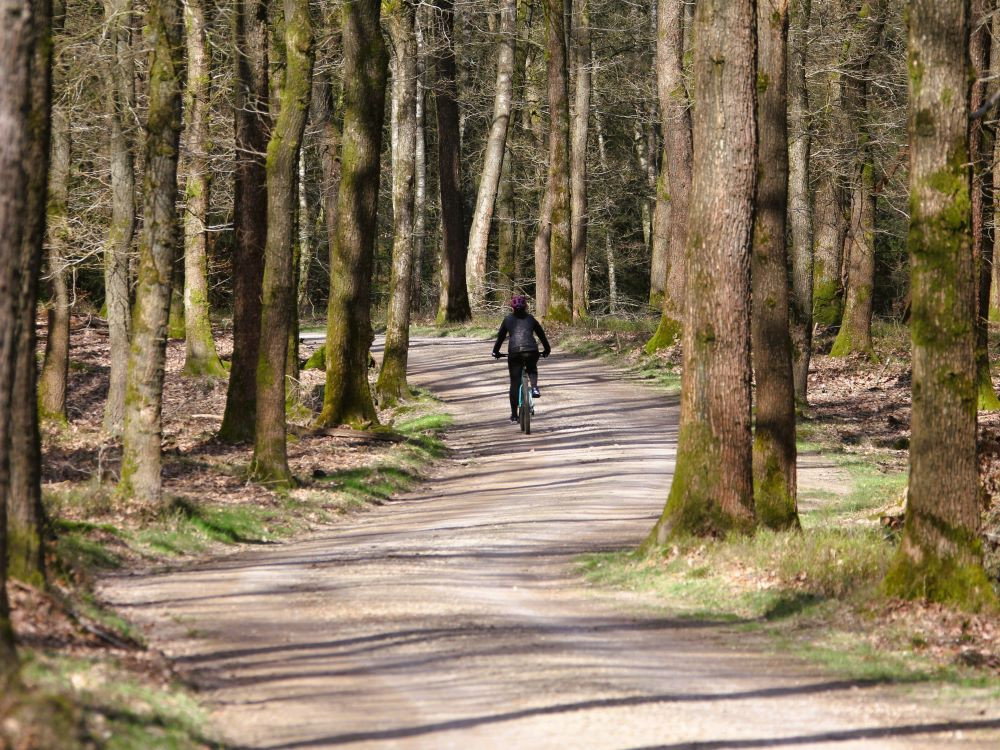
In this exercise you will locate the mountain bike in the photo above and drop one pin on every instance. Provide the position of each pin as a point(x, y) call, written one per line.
point(525, 401)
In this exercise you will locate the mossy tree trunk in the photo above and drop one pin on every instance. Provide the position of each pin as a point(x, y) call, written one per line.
point(55, 367)
point(141, 439)
point(675, 112)
point(453, 306)
point(543, 253)
point(994, 313)
point(270, 458)
point(200, 356)
point(940, 557)
point(855, 334)
point(121, 231)
point(401, 21)
point(16, 38)
point(252, 130)
point(560, 212)
point(774, 437)
point(25, 520)
point(800, 207)
point(830, 229)
point(981, 148)
point(347, 398)
point(582, 57)
point(489, 179)
point(507, 236)
point(420, 176)
point(712, 489)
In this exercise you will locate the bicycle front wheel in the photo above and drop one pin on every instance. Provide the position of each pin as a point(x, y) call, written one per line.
point(525, 415)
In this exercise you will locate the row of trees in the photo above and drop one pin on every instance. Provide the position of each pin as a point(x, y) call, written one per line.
point(731, 478)
point(812, 89)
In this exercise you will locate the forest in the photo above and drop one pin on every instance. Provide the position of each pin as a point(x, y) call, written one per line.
point(253, 251)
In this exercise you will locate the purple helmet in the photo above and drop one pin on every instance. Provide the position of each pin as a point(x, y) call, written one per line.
point(519, 302)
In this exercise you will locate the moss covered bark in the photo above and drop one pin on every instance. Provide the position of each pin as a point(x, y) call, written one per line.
point(674, 185)
point(26, 560)
point(391, 385)
point(200, 356)
point(939, 558)
point(121, 231)
point(252, 128)
point(774, 442)
point(712, 490)
point(830, 227)
point(560, 240)
point(141, 457)
point(270, 458)
point(347, 397)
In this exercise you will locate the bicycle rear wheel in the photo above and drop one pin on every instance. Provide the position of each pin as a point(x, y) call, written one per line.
point(525, 413)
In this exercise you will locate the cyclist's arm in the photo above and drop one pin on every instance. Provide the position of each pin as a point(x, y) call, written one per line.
point(541, 335)
point(501, 335)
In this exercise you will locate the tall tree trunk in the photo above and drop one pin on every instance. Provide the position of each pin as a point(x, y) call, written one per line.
point(141, 439)
point(506, 232)
point(830, 227)
point(420, 175)
point(55, 368)
point(855, 335)
point(940, 557)
point(252, 128)
point(580, 126)
point(657, 253)
point(676, 115)
point(994, 312)
point(774, 438)
point(25, 520)
point(391, 385)
point(121, 105)
point(347, 398)
point(560, 240)
point(270, 458)
point(306, 222)
point(543, 254)
point(453, 306)
point(712, 490)
point(16, 38)
point(800, 215)
point(981, 143)
point(489, 180)
point(200, 357)
point(609, 251)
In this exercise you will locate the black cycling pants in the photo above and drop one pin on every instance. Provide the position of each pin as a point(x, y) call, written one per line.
point(514, 363)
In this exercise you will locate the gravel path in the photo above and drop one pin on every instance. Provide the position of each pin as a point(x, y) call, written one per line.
point(452, 619)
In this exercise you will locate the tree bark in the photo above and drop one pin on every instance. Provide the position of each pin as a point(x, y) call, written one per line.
point(774, 437)
point(16, 37)
point(391, 385)
point(270, 458)
point(712, 489)
point(657, 252)
point(55, 368)
point(675, 112)
point(121, 105)
point(560, 307)
point(201, 357)
point(828, 246)
point(800, 209)
point(855, 335)
point(420, 176)
point(609, 251)
point(25, 520)
point(543, 254)
point(489, 180)
point(252, 127)
point(140, 477)
point(506, 232)
point(981, 144)
point(940, 557)
point(347, 398)
point(453, 306)
point(579, 133)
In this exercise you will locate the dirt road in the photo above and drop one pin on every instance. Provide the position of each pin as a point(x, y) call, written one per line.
point(451, 618)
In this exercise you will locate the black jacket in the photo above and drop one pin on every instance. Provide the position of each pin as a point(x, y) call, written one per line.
point(522, 330)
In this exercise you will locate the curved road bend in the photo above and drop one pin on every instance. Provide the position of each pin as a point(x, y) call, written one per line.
point(452, 619)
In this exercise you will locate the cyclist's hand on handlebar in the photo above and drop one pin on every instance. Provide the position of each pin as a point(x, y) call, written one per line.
point(496, 355)
point(546, 353)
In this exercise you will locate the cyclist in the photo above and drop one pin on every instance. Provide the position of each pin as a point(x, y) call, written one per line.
point(522, 351)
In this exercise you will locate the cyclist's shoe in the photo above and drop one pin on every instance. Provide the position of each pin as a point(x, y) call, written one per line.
point(535, 393)
point(514, 419)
